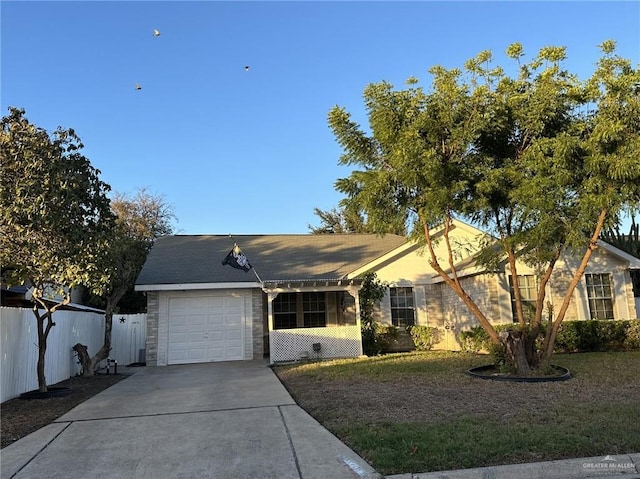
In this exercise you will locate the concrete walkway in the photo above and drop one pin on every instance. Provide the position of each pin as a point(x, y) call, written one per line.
point(217, 420)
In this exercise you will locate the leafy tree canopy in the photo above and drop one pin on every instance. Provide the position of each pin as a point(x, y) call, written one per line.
point(541, 159)
point(139, 220)
point(54, 216)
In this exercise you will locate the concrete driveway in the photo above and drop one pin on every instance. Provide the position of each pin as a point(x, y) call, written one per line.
point(218, 420)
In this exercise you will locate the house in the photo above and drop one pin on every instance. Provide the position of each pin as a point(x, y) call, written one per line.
point(20, 296)
point(300, 299)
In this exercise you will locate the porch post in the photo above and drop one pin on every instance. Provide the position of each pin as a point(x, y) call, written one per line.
point(270, 298)
point(355, 292)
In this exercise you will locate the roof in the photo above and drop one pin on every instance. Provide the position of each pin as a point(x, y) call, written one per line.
point(634, 262)
point(190, 259)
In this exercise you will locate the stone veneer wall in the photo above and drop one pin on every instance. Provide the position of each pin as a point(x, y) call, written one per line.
point(153, 310)
point(257, 323)
point(629, 298)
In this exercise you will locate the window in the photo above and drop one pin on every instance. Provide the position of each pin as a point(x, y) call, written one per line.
point(528, 292)
point(284, 311)
point(314, 309)
point(402, 306)
point(599, 294)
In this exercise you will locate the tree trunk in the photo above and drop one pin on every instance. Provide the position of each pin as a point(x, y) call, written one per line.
point(550, 340)
point(43, 331)
point(42, 350)
point(517, 293)
point(90, 364)
point(514, 342)
point(83, 358)
point(533, 355)
point(530, 350)
point(103, 353)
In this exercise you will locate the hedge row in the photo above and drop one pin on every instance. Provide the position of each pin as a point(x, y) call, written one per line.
point(573, 336)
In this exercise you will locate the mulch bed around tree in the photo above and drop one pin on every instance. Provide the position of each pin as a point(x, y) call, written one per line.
point(20, 417)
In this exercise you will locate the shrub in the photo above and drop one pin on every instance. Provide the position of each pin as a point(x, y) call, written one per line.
point(385, 337)
point(424, 337)
point(614, 333)
point(371, 293)
point(369, 341)
point(474, 340)
point(573, 336)
point(378, 339)
point(588, 333)
point(632, 338)
point(567, 338)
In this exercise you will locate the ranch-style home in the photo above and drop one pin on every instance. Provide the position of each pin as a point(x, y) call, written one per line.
point(296, 296)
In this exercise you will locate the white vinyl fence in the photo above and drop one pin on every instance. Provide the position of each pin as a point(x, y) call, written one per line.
point(128, 338)
point(19, 350)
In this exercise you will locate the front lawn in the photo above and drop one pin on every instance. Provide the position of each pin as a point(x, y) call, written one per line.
point(420, 412)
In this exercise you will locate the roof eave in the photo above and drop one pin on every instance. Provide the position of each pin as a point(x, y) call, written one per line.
point(197, 286)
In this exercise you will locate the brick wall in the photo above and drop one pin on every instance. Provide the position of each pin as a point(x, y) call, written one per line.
point(558, 286)
point(433, 305)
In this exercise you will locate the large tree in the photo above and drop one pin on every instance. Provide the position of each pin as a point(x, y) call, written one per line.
point(539, 158)
point(347, 220)
point(139, 221)
point(336, 221)
point(54, 219)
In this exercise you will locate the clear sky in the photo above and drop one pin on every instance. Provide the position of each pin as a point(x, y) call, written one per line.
point(249, 151)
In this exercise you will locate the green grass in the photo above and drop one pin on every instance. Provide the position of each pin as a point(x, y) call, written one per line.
point(597, 412)
point(395, 448)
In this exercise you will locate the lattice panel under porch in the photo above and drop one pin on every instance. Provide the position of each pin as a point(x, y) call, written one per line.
point(335, 342)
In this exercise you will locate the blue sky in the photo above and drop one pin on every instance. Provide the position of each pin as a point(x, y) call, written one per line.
point(249, 152)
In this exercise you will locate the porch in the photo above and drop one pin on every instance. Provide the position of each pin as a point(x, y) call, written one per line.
point(313, 319)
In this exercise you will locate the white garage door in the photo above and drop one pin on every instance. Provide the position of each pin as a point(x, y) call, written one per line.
point(205, 329)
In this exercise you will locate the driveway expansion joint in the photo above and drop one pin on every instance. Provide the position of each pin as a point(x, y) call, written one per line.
point(41, 449)
point(293, 449)
point(171, 413)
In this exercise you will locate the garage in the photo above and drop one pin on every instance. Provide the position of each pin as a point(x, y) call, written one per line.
point(206, 328)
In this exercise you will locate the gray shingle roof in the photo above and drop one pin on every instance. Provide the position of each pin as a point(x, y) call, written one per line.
point(187, 259)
